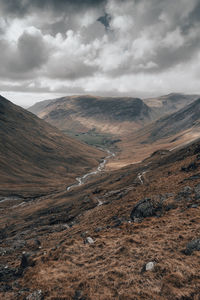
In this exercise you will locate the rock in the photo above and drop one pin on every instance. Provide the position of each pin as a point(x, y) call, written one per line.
point(7, 273)
point(36, 295)
point(26, 261)
point(98, 229)
point(5, 251)
point(191, 167)
point(117, 223)
point(185, 193)
point(194, 177)
point(89, 240)
point(197, 191)
point(194, 245)
point(5, 288)
point(146, 208)
point(149, 266)
point(78, 295)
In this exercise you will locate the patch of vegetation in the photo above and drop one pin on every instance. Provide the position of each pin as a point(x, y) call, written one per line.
point(94, 138)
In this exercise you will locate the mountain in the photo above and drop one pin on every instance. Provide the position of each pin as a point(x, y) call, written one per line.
point(93, 119)
point(169, 103)
point(170, 131)
point(186, 118)
point(35, 156)
point(128, 234)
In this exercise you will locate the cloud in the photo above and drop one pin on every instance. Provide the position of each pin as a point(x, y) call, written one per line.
point(23, 58)
point(114, 45)
point(23, 7)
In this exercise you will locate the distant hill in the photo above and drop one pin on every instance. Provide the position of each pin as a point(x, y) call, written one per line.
point(168, 132)
point(184, 119)
point(170, 103)
point(102, 115)
point(34, 155)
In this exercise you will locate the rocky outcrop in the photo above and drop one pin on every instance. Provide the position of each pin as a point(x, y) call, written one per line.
point(146, 208)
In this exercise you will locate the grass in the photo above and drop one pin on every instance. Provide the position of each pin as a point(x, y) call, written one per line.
point(93, 138)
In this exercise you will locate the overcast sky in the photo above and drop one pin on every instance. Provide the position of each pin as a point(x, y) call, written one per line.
point(51, 48)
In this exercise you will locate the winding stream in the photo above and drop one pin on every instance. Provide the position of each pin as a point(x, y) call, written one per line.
point(81, 180)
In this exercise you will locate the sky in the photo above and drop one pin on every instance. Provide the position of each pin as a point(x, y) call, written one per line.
point(138, 48)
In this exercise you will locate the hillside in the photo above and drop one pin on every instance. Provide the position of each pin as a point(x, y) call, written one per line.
point(128, 234)
point(184, 119)
point(95, 120)
point(168, 132)
point(170, 103)
point(36, 157)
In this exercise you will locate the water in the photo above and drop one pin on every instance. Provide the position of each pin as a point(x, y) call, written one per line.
point(81, 180)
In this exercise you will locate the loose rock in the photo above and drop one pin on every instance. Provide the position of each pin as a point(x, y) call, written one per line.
point(194, 245)
point(36, 295)
point(89, 240)
point(149, 266)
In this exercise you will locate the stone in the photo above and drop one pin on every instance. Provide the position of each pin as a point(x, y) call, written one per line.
point(36, 295)
point(89, 240)
point(26, 261)
point(146, 208)
point(194, 245)
point(191, 167)
point(7, 273)
point(197, 191)
point(149, 266)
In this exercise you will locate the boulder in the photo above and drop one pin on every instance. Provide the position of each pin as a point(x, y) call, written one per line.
point(194, 245)
point(146, 208)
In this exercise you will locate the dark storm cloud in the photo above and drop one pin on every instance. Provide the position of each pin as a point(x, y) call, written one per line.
point(22, 7)
point(22, 60)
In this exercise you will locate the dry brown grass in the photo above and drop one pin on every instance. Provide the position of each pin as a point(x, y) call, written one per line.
point(111, 267)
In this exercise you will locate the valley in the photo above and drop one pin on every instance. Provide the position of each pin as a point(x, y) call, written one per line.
point(105, 209)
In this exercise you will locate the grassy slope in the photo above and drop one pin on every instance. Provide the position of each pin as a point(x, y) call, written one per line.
point(111, 267)
point(33, 154)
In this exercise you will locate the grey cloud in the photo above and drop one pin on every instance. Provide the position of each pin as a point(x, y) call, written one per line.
point(32, 51)
point(24, 59)
point(68, 68)
point(20, 7)
point(109, 39)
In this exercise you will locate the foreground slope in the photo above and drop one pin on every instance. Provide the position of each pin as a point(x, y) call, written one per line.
point(94, 242)
point(34, 155)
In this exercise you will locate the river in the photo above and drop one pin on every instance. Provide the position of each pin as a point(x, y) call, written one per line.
point(81, 180)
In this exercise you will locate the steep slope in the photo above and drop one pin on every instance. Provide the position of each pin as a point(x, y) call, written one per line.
point(34, 155)
point(89, 117)
point(168, 132)
point(95, 241)
point(169, 103)
point(186, 118)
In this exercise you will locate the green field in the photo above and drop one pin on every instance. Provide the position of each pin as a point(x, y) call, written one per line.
point(94, 138)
